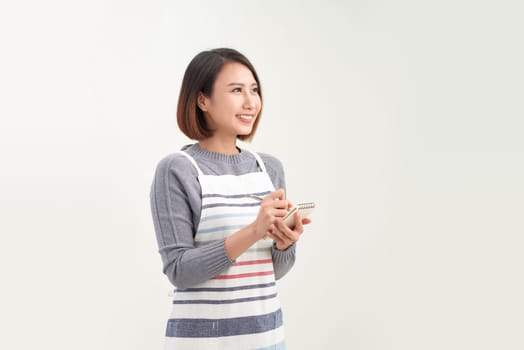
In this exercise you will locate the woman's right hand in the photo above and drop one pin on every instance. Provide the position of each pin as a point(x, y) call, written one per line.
point(273, 206)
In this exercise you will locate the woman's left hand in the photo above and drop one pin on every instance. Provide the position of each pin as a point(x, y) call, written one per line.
point(285, 236)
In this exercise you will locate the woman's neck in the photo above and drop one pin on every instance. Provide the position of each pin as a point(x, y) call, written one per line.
point(214, 144)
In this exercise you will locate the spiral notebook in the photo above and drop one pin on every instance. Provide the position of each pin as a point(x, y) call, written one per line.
point(305, 209)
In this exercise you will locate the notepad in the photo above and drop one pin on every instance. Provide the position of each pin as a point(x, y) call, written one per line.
point(305, 209)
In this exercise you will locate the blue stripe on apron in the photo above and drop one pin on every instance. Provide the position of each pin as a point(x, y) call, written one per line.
point(202, 328)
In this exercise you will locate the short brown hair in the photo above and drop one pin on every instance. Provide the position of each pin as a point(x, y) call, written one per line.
point(200, 77)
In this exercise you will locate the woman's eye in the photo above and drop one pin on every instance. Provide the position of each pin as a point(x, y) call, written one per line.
point(255, 90)
point(237, 90)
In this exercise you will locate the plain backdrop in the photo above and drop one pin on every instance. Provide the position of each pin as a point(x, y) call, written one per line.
point(402, 120)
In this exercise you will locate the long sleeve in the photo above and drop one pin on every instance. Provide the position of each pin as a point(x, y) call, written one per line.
point(283, 260)
point(173, 190)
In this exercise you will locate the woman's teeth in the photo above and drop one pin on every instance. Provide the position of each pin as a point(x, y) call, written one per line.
point(245, 117)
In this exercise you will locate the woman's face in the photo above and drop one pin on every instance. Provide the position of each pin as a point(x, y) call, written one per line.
point(234, 105)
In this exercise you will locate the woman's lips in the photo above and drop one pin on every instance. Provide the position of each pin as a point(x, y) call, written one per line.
point(245, 118)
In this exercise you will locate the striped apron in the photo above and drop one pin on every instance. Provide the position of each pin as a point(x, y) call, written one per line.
point(238, 309)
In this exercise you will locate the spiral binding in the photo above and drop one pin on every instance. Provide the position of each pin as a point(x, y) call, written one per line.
point(308, 205)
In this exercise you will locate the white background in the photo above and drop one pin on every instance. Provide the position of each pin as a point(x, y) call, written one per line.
point(402, 120)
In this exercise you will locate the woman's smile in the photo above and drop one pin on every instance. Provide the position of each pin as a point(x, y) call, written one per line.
point(246, 118)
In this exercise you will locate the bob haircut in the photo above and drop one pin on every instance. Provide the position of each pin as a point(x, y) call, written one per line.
point(200, 76)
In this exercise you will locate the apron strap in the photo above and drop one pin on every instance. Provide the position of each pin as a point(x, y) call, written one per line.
point(259, 160)
point(192, 160)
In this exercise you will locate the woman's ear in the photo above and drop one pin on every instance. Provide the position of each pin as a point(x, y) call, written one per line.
point(202, 102)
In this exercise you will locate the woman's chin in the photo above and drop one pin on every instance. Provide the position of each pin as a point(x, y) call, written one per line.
point(244, 131)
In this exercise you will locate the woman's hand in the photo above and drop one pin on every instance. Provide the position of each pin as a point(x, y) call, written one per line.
point(285, 236)
point(272, 207)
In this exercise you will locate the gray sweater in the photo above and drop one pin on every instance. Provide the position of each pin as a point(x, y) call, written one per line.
point(176, 205)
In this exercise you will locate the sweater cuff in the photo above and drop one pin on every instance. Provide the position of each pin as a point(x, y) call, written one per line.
point(283, 256)
point(215, 258)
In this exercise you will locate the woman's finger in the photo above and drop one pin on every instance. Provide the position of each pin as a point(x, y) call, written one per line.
point(298, 223)
point(287, 232)
point(278, 234)
point(276, 195)
point(306, 221)
point(279, 213)
point(280, 204)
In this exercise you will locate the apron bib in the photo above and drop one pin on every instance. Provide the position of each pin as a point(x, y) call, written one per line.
point(238, 309)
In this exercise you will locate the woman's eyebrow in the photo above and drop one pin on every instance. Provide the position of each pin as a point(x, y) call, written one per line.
point(241, 84)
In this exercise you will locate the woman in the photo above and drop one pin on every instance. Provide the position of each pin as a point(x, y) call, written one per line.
point(220, 247)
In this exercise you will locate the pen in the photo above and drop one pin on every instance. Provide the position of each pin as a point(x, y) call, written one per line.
point(255, 197)
point(258, 198)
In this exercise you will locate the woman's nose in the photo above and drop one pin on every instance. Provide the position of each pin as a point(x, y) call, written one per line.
point(249, 101)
